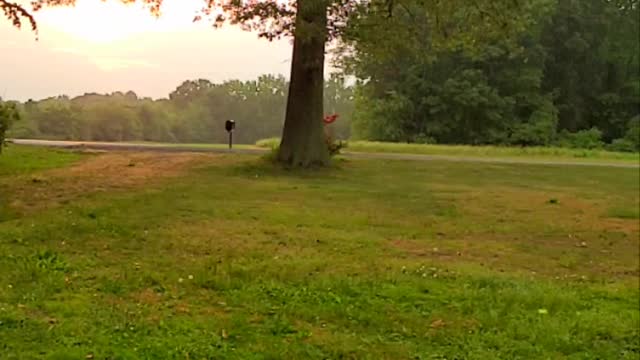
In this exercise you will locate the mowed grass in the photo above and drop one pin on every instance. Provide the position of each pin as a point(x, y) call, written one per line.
point(17, 160)
point(20, 161)
point(534, 152)
point(231, 258)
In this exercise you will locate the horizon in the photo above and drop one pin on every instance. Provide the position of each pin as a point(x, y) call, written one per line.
point(140, 96)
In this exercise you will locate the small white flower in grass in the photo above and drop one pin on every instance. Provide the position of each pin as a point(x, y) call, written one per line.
point(180, 280)
point(543, 311)
point(190, 277)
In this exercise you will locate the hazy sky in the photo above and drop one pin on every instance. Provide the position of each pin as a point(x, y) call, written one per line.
point(104, 47)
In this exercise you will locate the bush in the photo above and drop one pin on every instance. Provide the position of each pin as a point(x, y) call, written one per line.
point(622, 145)
point(631, 140)
point(334, 146)
point(633, 133)
point(540, 130)
point(425, 139)
point(8, 115)
point(271, 143)
point(583, 139)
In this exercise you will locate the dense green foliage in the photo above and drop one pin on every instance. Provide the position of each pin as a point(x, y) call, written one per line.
point(8, 115)
point(194, 112)
point(572, 78)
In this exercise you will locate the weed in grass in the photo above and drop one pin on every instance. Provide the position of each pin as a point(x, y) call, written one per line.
point(625, 213)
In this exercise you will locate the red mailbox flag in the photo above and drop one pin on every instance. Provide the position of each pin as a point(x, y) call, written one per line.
point(329, 119)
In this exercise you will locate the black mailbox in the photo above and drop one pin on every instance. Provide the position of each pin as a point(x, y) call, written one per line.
point(230, 125)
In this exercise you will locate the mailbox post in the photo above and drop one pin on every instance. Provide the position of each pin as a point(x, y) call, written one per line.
point(230, 125)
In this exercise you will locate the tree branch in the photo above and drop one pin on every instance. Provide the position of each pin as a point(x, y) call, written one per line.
point(17, 14)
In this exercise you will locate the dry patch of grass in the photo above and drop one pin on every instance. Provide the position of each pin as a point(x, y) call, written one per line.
point(548, 233)
point(100, 173)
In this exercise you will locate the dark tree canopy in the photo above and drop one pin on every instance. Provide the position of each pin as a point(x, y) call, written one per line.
point(570, 78)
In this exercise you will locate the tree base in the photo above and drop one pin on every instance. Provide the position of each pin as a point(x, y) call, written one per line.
point(305, 158)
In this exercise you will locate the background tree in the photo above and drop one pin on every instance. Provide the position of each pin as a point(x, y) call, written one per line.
point(592, 65)
point(8, 115)
point(572, 68)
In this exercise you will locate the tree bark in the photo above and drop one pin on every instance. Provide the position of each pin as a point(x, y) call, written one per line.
point(303, 142)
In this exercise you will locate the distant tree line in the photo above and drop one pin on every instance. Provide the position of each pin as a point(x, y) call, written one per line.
point(195, 112)
point(571, 78)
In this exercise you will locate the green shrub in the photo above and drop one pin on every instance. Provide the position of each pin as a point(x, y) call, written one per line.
point(270, 143)
point(425, 139)
point(334, 145)
point(622, 145)
point(540, 130)
point(633, 133)
point(8, 115)
point(631, 140)
point(583, 139)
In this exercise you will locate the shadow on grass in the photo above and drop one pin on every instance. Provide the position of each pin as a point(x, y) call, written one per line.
point(267, 165)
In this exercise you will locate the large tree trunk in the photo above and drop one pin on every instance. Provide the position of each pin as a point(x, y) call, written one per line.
point(303, 141)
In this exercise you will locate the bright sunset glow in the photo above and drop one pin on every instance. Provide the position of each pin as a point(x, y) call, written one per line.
point(105, 22)
point(107, 46)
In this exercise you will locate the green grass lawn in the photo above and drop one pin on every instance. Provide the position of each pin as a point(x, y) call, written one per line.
point(174, 256)
point(541, 153)
point(19, 160)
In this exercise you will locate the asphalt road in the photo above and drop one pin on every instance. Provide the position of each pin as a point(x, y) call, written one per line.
point(112, 146)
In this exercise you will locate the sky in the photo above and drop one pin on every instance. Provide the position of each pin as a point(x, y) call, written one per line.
point(106, 47)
